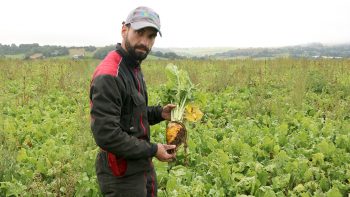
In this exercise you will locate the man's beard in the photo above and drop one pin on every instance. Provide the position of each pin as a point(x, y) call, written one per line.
point(139, 56)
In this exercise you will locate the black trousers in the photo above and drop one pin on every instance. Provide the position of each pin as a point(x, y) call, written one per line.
point(137, 185)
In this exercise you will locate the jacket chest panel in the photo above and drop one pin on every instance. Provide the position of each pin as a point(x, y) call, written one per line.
point(134, 118)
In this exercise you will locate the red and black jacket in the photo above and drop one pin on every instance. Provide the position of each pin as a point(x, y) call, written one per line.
point(120, 115)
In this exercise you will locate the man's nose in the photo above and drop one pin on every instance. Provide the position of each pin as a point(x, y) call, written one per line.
point(145, 41)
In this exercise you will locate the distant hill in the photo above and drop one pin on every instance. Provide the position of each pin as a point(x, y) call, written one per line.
point(195, 51)
point(313, 50)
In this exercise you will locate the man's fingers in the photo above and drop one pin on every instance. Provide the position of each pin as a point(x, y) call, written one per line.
point(170, 157)
point(163, 155)
point(171, 106)
point(169, 147)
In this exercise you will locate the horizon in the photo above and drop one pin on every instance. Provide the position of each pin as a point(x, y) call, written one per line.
point(204, 47)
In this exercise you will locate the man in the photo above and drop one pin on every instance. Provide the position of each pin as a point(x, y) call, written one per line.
point(120, 115)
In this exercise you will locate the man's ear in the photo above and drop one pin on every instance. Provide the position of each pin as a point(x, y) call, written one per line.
point(124, 31)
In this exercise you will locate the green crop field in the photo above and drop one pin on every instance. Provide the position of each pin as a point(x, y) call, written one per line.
point(276, 127)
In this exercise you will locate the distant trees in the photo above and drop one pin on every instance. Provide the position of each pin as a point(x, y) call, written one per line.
point(54, 51)
point(51, 51)
point(102, 52)
point(168, 55)
point(314, 50)
point(90, 48)
point(47, 51)
point(14, 49)
point(30, 49)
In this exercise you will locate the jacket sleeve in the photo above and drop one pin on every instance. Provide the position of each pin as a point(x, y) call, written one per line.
point(106, 102)
point(154, 114)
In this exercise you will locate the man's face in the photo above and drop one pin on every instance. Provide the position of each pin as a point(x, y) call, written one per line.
point(138, 43)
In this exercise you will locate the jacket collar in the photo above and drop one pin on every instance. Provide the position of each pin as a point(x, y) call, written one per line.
point(129, 60)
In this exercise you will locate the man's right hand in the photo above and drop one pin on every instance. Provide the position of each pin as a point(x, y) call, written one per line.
point(163, 155)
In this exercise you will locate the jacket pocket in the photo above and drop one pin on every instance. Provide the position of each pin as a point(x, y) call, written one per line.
point(138, 99)
point(117, 165)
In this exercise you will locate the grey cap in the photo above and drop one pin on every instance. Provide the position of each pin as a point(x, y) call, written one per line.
point(142, 17)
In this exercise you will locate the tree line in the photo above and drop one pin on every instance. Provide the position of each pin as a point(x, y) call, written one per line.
point(102, 52)
point(314, 50)
point(55, 51)
point(46, 50)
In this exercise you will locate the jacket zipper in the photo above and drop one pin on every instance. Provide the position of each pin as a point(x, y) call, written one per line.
point(136, 70)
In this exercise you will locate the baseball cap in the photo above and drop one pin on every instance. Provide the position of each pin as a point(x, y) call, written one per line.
point(142, 17)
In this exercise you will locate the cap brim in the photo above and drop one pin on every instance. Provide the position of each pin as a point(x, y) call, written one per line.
point(143, 24)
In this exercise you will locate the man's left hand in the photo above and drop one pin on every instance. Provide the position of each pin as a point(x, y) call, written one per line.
point(166, 113)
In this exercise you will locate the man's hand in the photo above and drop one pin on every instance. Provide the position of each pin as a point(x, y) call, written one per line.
point(166, 113)
point(163, 155)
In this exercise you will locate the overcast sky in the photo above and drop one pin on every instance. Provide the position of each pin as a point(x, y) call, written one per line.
point(185, 23)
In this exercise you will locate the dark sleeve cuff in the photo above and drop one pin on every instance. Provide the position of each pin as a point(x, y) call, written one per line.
point(154, 149)
point(155, 114)
point(160, 110)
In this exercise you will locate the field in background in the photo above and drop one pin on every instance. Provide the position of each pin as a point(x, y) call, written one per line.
point(270, 128)
point(198, 52)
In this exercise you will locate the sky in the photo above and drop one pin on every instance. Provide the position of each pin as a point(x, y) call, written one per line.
point(184, 23)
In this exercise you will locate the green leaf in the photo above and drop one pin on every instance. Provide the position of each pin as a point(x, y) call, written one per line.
point(263, 177)
point(318, 158)
point(281, 181)
point(334, 192)
point(299, 188)
point(324, 184)
point(171, 184)
point(41, 166)
point(22, 155)
point(326, 148)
